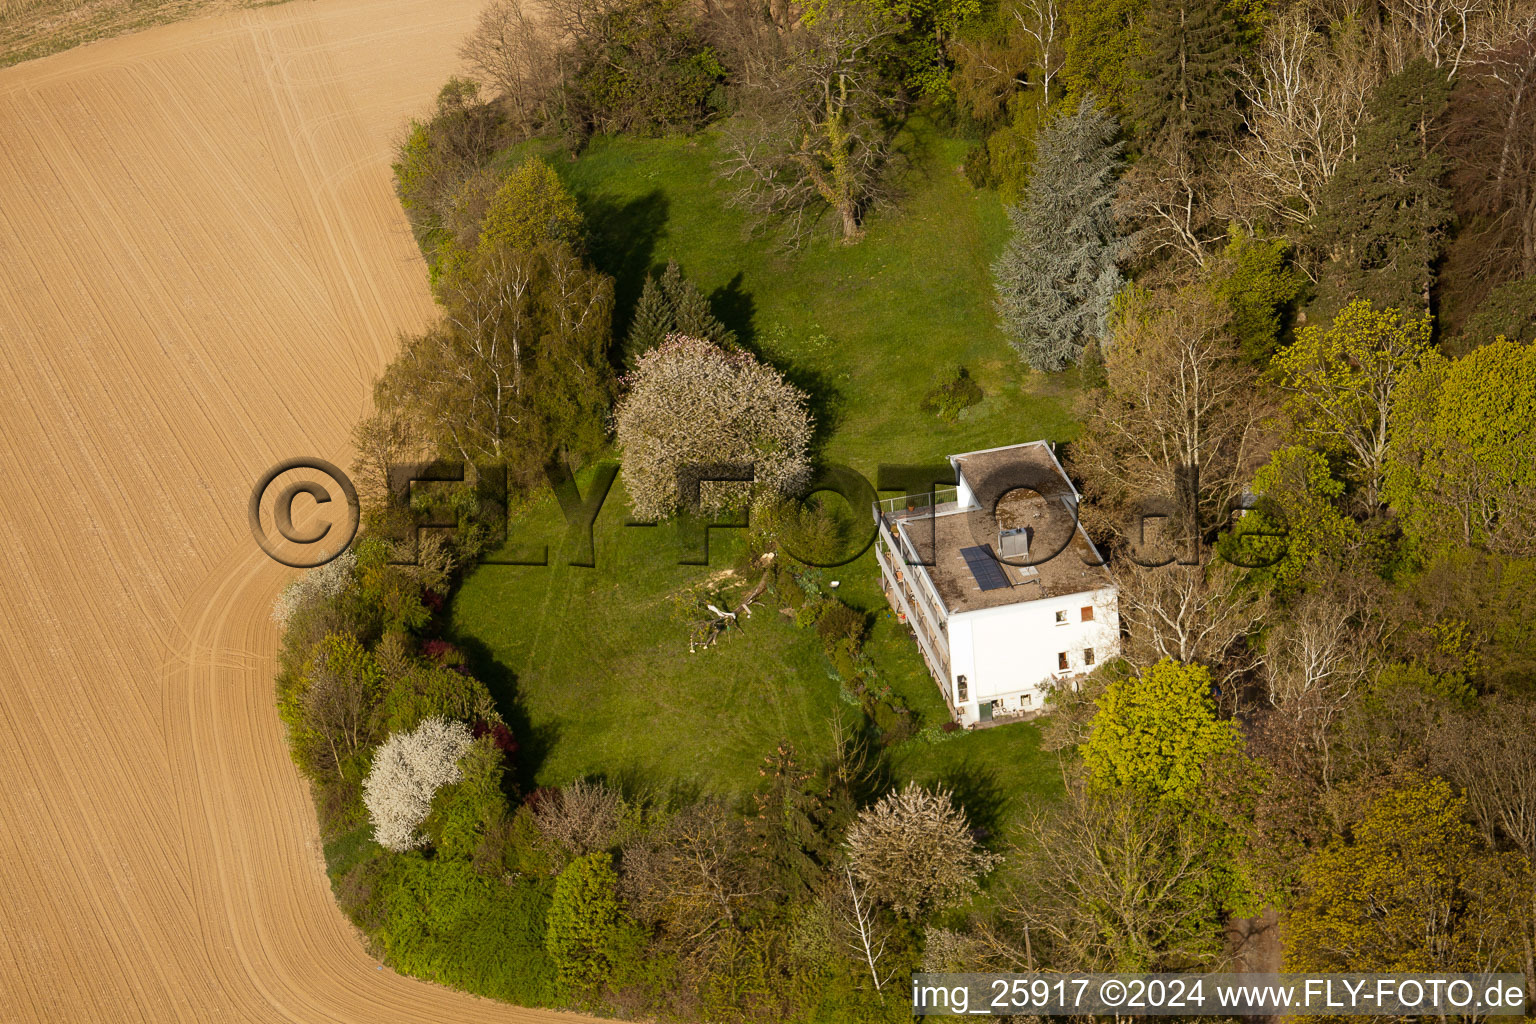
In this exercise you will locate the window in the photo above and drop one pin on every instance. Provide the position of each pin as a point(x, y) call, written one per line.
point(1061, 618)
point(1024, 701)
point(1061, 661)
point(960, 689)
point(1088, 656)
point(1088, 613)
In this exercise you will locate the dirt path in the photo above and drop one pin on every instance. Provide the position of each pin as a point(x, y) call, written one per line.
point(201, 269)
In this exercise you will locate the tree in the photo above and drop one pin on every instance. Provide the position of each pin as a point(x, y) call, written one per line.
point(816, 123)
point(341, 695)
point(672, 304)
point(1493, 137)
point(1304, 101)
point(581, 818)
point(693, 876)
point(586, 923)
point(1340, 382)
point(1409, 889)
point(1178, 420)
point(408, 768)
point(1382, 219)
point(1190, 613)
point(1300, 500)
point(440, 153)
point(794, 825)
point(1255, 280)
point(1508, 312)
point(530, 207)
point(1101, 45)
point(691, 405)
point(519, 364)
point(1184, 108)
point(1059, 273)
point(514, 51)
point(1462, 447)
point(1115, 882)
point(1157, 731)
point(913, 850)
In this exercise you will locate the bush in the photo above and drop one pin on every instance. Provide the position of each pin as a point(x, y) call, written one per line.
point(586, 924)
point(444, 922)
point(949, 399)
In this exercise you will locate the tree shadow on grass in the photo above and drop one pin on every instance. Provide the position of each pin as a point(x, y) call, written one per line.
point(735, 308)
point(978, 791)
point(533, 742)
point(623, 236)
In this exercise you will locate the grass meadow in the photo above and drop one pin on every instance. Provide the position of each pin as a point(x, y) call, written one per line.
point(593, 662)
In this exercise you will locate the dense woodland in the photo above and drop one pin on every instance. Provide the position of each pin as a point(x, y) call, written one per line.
point(1286, 252)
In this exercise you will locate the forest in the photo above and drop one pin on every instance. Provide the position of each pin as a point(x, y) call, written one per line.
point(1275, 264)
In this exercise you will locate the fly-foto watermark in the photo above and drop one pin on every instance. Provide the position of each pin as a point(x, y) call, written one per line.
point(920, 483)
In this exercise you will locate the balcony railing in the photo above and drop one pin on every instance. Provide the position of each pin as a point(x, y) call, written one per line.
point(941, 500)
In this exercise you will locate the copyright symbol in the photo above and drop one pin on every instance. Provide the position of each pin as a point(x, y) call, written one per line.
point(282, 514)
point(1112, 992)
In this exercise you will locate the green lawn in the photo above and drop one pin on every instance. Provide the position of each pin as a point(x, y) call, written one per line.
point(593, 663)
point(864, 328)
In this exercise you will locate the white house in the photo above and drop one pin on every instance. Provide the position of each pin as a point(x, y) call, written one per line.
point(1004, 591)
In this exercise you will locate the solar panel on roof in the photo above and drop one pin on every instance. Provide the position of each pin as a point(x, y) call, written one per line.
point(984, 568)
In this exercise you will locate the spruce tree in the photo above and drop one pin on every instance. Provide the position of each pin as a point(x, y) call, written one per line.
point(1185, 93)
point(1059, 272)
point(672, 304)
point(1382, 219)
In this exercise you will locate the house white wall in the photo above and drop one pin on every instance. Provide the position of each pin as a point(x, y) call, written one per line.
point(1013, 651)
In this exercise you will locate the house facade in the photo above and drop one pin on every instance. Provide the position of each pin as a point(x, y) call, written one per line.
point(1004, 592)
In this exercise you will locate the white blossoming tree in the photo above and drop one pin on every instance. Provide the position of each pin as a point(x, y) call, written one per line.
point(691, 403)
point(408, 768)
point(320, 583)
point(913, 850)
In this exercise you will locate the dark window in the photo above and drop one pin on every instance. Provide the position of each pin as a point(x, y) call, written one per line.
point(1088, 613)
point(1061, 661)
point(1088, 656)
point(961, 689)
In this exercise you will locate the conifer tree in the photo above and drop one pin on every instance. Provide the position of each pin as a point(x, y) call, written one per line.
point(672, 304)
point(1382, 219)
point(1184, 92)
point(1059, 272)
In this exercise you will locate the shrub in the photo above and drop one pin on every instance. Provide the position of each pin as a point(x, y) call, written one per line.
point(949, 399)
point(586, 924)
point(446, 923)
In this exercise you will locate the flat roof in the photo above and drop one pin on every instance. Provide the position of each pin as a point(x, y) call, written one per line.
point(949, 532)
point(1034, 457)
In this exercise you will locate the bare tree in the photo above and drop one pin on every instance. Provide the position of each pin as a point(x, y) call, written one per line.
point(1190, 613)
point(1319, 656)
point(1305, 96)
point(514, 48)
point(581, 818)
point(1179, 421)
point(866, 935)
point(1494, 131)
point(1443, 31)
point(1040, 22)
point(816, 124)
point(1115, 882)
